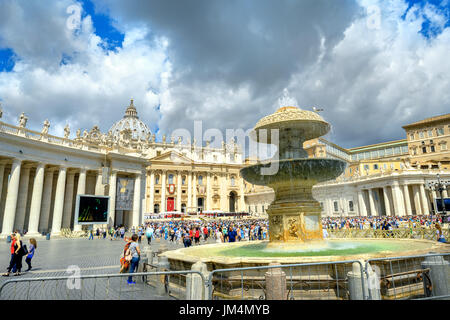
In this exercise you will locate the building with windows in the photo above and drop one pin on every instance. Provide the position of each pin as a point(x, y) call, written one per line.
point(41, 175)
point(387, 178)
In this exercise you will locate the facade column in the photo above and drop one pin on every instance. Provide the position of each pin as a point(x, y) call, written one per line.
point(241, 206)
point(178, 191)
point(46, 200)
point(112, 198)
point(189, 201)
point(194, 189)
point(387, 203)
point(423, 196)
point(361, 203)
point(208, 191)
point(163, 192)
point(417, 205)
point(223, 193)
point(372, 203)
point(99, 188)
point(81, 189)
point(137, 201)
point(444, 193)
point(68, 200)
point(36, 200)
point(59, 201)
point(152, 193)
point(11, 198)
point(407, 200)
point(19, 221)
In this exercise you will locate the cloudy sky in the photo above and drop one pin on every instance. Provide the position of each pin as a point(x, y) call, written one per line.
point(373, 66)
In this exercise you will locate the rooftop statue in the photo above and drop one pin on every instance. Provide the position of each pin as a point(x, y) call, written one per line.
point(66, 131)
point(23, 120)
point(46, 127)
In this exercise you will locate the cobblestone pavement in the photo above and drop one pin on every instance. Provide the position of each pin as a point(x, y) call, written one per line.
point(99, 256)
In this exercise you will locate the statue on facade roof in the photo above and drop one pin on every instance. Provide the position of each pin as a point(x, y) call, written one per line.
point(153, 138)
point(164, 139)
point(179, 140)
point(46, 127)
point(1, 111)
point(78, 133)
point(85, 134)
point(23, 120)
point(172, 140)
point(66, 131)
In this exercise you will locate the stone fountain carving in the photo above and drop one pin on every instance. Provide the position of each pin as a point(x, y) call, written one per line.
point(294, 215)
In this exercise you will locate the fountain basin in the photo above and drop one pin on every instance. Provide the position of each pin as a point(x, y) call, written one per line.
point(308, 170)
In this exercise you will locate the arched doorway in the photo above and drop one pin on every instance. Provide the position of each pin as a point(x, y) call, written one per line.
point(232, 201)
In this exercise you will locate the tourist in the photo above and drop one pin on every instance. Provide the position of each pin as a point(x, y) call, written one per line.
point(149, 234)
point(219, 235)
point(33, 247)
point(197, 236)
point(12, 261)
point(232, 235)
point(17, 252)
point(440, 234)
point(91, 234)
point(135, 252)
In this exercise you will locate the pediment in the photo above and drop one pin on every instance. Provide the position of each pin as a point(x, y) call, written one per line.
point(172, 156)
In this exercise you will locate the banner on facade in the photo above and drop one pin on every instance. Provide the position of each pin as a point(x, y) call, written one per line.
point(125, 192)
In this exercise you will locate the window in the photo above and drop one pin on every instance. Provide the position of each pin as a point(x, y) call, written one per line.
point(397, 150)
point(156, 191)
point(232, 181)
point(183, 180)
point(432, 149)
point(350, 206)
point(375, 167)
point(336, 206)
point(430, 133)
point(421, 135)
point(411, 136)
point(200, 180)
point(440, 131)
point(388, 151)
point(443, 146)
point(366, 167)
point(424, 150)
point(157, 180)
point(381, 152)
point(170, 178)
point(158, 153)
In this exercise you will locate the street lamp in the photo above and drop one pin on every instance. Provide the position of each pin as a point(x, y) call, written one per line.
point(439, 186)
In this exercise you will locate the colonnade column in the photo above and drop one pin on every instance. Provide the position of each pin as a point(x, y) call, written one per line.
point(152, 193)
point(223, 193)
point(2, 173)
point(112, 198)
point(19, 220)
point(36, 200)
point(387, 203)
point(179, 191)
point(189, 201)
point(137, 201)
point(416, 193)
point(59, 201)
point(423, 196)
point(397, 197)
point(361, 203)
point(99, 188)
point(81, 189)
point(11, 198)
point(163, 191)
point(68, 200)
point(407, 200)
point(46, 200)
point(372, 203)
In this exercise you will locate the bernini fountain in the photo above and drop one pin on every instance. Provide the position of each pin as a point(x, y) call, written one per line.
point(295, 229)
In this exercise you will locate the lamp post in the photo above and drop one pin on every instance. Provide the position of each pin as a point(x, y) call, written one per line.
point(439, 186)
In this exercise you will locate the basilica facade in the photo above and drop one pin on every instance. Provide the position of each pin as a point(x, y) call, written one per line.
point(41, 175)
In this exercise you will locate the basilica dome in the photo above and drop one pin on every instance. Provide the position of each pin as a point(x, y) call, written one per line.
point(139, 130)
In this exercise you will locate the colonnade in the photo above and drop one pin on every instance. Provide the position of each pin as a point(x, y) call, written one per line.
point(38, 197)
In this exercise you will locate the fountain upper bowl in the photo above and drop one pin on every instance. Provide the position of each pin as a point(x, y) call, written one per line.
point(315, 170)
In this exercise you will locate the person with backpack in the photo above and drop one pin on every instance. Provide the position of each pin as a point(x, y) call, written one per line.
point(33, 246)
point(18, 250)
point(125, 258)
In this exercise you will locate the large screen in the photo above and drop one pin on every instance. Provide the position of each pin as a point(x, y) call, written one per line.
point(439, 204)
point(92, 209)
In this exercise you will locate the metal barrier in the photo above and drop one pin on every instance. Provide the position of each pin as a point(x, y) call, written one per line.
point(92, 287)
point(321, 280)
point(402, 233)
point(410, 277)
